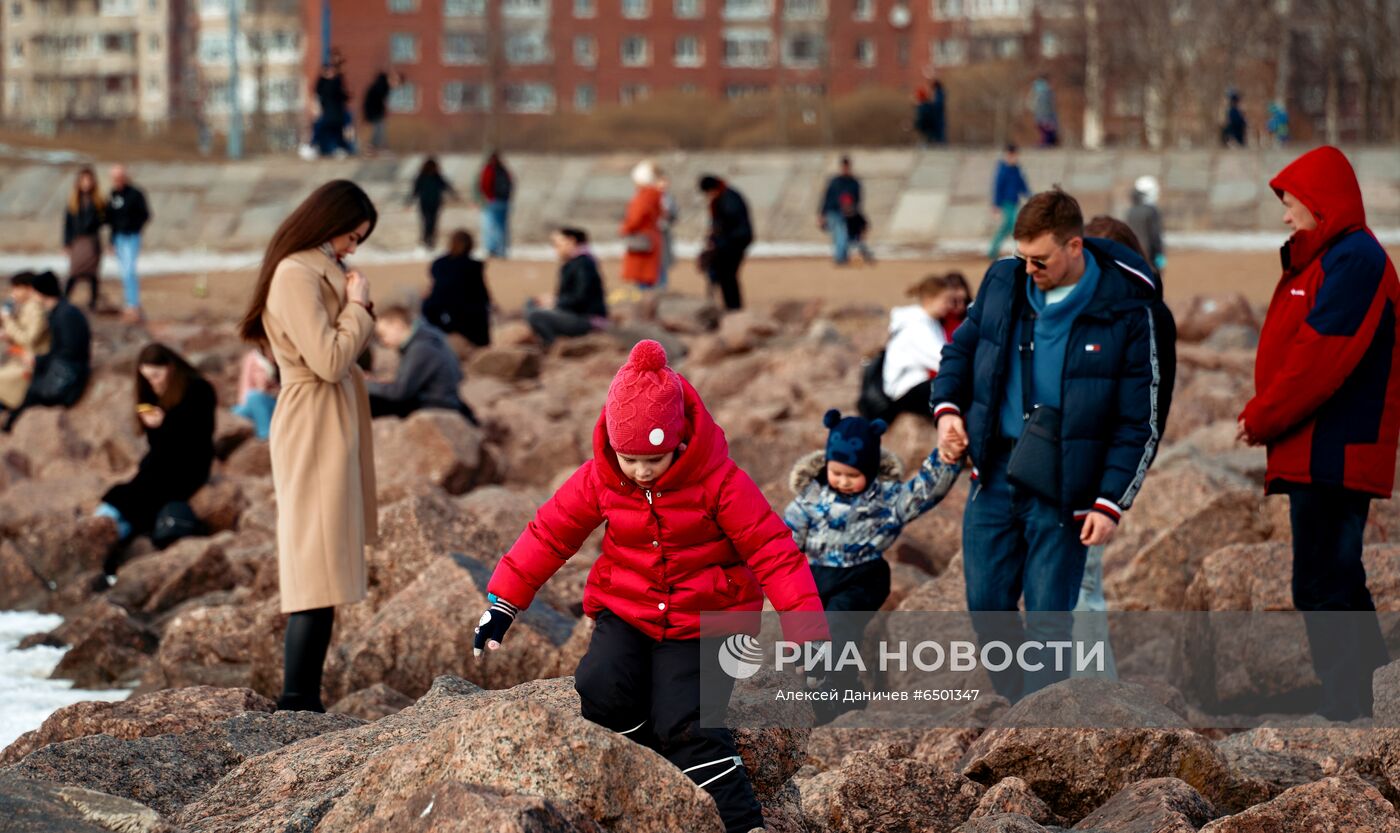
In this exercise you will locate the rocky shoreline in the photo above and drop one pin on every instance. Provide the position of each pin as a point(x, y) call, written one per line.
point(421, 737)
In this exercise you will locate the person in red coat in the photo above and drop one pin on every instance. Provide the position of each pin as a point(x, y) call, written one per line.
point(687, 531)
point(641, 231)
point(1327, 405)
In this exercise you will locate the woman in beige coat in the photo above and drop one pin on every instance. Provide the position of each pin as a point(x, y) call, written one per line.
point(316, 317)
point(26, 330)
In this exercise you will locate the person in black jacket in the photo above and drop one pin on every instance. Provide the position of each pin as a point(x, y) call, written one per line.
point(60, 376)
point(458, 301)
point(1054, 385)
point(127, 215)
point(328, 134)
point(430, 190)
point(82, 229)
point(728, 240)
point(428, 375)
point(580, 302)
point(175, 410)
point(376, 106)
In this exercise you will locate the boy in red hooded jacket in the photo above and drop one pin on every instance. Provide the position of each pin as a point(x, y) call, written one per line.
point(1327, 405)
point(687, 532)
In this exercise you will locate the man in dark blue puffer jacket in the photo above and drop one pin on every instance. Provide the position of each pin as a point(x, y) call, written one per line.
point(1084, 318)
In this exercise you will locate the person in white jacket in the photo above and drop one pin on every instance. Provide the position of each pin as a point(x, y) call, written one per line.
point(918, 333)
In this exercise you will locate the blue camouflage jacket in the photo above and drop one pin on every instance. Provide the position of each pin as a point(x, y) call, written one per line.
point(837, 530)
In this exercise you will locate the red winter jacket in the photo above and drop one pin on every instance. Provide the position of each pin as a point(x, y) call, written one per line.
point(703, 539)
point(1327, 390)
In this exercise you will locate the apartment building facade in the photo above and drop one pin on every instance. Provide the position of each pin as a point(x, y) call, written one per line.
point(272, 86)
point(77, 61)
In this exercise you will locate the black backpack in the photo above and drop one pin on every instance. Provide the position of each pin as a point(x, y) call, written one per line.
point(175, 520)
point(873, 403)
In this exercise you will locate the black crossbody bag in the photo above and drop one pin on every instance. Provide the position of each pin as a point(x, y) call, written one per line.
point(1034, 465)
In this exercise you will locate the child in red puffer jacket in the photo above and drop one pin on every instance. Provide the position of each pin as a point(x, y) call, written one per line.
point(687, 531)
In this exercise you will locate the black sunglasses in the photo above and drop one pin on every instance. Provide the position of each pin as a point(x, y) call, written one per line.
point(1038, 263)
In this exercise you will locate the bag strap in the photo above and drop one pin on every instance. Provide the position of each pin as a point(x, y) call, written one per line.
point(1027, 350)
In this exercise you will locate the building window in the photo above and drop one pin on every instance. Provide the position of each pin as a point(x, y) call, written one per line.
point(1049, 45)
point(529, 98)
point(736, 91)
point(585, 8)
point(688, 52)
point(403, 48)
point(1008, 48)
point(747, 47)
point(17, 10)
point(865, 10)
point(865, 52)
point(404, 98)
point(153, 42)
point(17, 52)
point(463, 8)
point(527, 48)
point(585, 51)
point(403, 6)
point(946, 9)
point(804, 9)
point(635, 51)
point(219, 8)
point(117, 8)
point(629, 93)
point(748, 9)
point(804, 50)
point(524, 8)
point(949, 53)
point(463, 48)
point(636, 9)
point(459, 97)
point(585, 97)
point(689, 9)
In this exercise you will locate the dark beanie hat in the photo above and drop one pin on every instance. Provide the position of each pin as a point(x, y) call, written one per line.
point(46, 283)
point(855, 442)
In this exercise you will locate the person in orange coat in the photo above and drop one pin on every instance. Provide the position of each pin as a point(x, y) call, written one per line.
point(641, 231)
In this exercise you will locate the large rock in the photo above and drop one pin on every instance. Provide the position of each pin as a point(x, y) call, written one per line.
point(1001, 823)
point(433, 448)
point(373, 703)
point(56, 550)
point(171, 712)
point(686, 315)
point(1371, 754)
point(192, 567)
point(213, 645)
point(530, 748)
point(456, 807)
point(1013, 795)
point(167, 772)
point(745, 330)
point(250, 460)
point(870, 792)
point(1385, 689)
point(426, 630)
point(1207, 313)
point(107, 646)
point(29, 806)
point(1257, 775)
point(1157, 805)
point(1332, 805)
point(510, 363)
point(220, 504)
point(1157, 576)
point(1075, 770)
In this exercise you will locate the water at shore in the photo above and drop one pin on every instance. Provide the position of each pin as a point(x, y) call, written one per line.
point(25, 690)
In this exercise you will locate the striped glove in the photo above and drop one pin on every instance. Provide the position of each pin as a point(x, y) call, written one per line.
point(494, 623)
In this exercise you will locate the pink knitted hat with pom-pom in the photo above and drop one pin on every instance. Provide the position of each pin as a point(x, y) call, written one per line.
point(645, 408)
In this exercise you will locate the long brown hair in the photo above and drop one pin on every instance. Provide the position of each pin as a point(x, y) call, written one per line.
point(182, 373)
point(75, 198)
point(336, 208)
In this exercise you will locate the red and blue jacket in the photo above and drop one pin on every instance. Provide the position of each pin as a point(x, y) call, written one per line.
point(1327, 394)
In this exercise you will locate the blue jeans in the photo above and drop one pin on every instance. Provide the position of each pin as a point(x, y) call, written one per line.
point(128, 247)
point(668, 257)
point(495, 227)
point(257, 407)
point(1015, 543)
point(1008, 223)
point(840, 239)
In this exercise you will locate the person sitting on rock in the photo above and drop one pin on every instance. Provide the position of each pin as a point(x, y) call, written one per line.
point(687, 531)
point(580, 303)
point(25, 324)
point(257, 392)
point(458, 300)
point(175, 409)
point(850, 507)
point(428, 374)
point(60, 376)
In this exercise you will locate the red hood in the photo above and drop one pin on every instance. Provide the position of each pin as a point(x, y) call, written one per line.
point(706, 448)
point(1323, 180)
